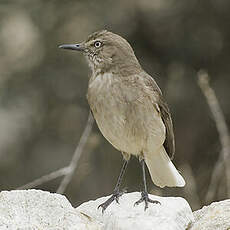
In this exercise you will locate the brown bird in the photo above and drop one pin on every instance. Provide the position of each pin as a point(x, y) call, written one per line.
point(130, 110)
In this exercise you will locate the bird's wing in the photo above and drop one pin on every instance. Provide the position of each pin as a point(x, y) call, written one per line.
point(169, 143)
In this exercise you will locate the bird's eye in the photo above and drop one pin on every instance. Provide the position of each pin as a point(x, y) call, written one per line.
point(97, 44)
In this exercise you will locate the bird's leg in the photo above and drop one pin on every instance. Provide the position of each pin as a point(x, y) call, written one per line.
point(116, 191)
point(144, 194)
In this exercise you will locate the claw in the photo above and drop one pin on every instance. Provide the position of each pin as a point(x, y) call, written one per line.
point(145, 198)
point(115, 196)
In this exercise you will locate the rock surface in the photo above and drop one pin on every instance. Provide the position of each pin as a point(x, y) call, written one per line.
point(213, 217)
point(174, 213)
point(39, 210)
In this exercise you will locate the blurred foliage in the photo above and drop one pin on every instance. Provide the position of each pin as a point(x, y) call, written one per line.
point(43, 108)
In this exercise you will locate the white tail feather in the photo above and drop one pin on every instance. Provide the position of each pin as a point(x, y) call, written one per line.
point(162, 170)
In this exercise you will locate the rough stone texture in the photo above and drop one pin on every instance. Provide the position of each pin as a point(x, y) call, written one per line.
point(39, 210)
point(174, 213)
point(213, 217)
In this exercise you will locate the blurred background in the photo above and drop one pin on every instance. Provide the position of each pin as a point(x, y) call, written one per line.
point(43, 107)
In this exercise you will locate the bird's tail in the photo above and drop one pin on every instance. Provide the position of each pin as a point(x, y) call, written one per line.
point(162, 170)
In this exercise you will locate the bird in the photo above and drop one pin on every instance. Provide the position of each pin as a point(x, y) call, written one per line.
point(130, 111)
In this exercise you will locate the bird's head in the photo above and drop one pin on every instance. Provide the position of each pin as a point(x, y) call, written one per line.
point(106, 51)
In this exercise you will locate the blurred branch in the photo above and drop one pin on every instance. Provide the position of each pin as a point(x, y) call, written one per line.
point(216, 176)
point(46, 178)
point(224, 157)
point(191, 190)
point(73, 164)
point(68, 171)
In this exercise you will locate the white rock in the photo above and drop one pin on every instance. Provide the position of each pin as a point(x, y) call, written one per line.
point(213, 217)
point(174, 213)
point(39, 210)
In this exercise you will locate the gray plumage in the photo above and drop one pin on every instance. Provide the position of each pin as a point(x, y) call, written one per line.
point(129, 107)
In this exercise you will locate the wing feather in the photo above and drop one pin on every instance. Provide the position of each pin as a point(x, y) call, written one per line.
point(169, 143)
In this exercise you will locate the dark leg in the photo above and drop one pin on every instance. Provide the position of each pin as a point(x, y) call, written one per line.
point(116, 191)
point(144, 194)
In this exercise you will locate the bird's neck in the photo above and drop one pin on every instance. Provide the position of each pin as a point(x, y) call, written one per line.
point(120, 69)
point(128, 68)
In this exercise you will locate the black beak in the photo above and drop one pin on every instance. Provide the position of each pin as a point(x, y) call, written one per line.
point(78, 47)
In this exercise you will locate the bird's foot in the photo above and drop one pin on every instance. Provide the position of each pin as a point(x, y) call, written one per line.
point(115, 196)
point(145, 198)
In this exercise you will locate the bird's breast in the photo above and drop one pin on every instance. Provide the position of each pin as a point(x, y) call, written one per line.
point(104, 99)
point(108, 105)
point(123, 120)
